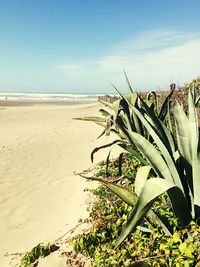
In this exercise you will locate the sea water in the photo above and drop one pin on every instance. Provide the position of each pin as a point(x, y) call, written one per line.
point(62, 97)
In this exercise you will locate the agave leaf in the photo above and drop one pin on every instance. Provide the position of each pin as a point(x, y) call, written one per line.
point(124, 112)
point(129, 118)
point(148, 103)
point(157, 126)
point(138, 127)
point(144, 229)
point(152, 155)
point(154, 218)
point(164, 107)
point(169, 137)
point(122, 96)
point(141, 177)
point(153, 188)
point(130, 198)
point(180, 205)
point(115, 105)
point(132, 97)
point(169, 119)
point(104, 131)
point(120, 160)
point(113, 130)
point(92, 118)
point(182, 130)
point(150, 94)
point(122, 124)
point(185, 171)
point(104, 112)
point(104, 146)
point(155, 99)
point(127, 80)
point(194, 144)
point(188, 143)
point(193, 123)
point(196, 184)
point(191, 201)
point(131, 150)
point(124, 194)
point(107, 104)
point(197, 101)
point(98, 120)
point(107, 163)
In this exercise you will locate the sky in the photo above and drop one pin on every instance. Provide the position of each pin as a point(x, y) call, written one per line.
point(78, 46)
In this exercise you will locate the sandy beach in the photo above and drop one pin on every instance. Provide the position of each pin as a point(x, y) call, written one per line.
point(41, 146)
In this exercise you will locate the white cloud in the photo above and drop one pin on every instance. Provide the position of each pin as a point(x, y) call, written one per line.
point(150, 59)
point(154, 40)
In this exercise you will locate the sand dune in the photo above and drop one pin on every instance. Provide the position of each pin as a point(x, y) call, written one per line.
point(40, 148)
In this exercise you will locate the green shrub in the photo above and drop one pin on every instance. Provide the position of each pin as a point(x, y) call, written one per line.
point(148, 244)
point(41, 250)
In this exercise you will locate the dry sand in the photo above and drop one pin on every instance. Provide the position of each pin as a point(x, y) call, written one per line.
point(40, 148)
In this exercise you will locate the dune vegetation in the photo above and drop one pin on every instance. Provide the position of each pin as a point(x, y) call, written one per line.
point(147, 208)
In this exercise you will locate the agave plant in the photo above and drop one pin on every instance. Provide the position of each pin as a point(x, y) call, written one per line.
point(176, 167)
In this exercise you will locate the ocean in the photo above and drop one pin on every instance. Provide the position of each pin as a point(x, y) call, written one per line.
point(47, 97)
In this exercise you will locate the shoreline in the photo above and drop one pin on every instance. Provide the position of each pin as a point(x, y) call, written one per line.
point(8, 103)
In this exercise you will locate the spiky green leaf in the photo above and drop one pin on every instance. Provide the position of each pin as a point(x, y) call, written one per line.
point(141, 177)
point(153, 188)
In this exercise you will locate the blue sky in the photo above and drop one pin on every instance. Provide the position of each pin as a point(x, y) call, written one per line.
point(78, 45)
